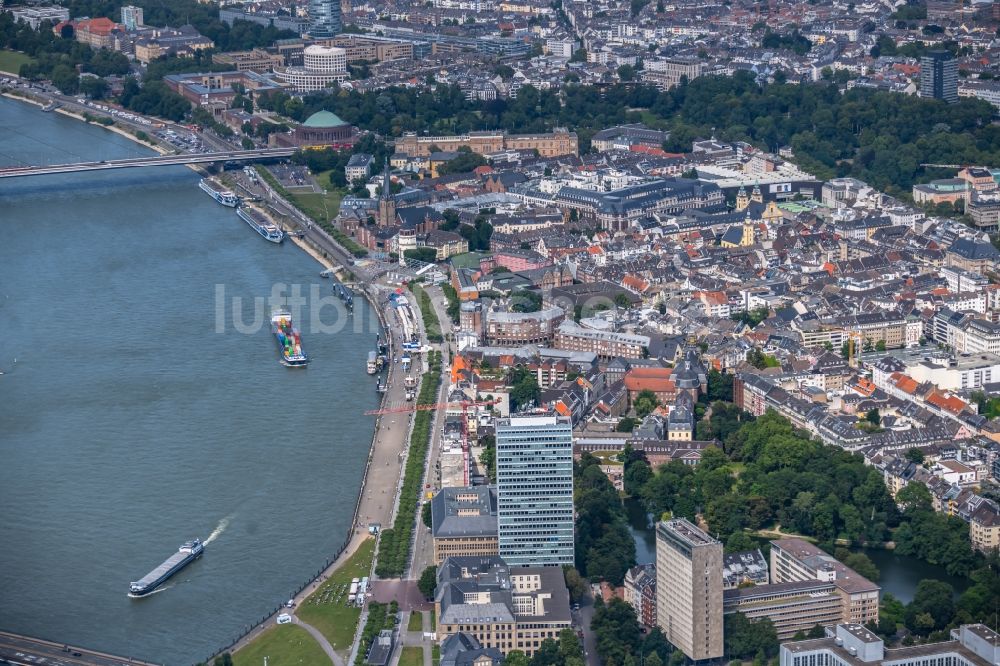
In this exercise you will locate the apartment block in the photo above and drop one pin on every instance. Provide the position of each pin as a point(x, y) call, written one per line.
point(535, 490)
point(794, 560)
point(689, 589)
point(464, 522)
point(640, 592)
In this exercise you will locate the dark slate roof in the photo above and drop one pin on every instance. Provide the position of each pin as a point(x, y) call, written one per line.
point(970, 249)
point(734, 235)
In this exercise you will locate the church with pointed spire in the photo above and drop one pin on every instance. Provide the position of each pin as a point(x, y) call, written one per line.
point(386, 201)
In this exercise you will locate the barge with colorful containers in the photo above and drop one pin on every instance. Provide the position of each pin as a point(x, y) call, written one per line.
point(289, 340)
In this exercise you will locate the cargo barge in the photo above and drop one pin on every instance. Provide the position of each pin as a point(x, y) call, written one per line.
point(224, 197)
point(261, 225)
point(289, 340)
point(185, 555)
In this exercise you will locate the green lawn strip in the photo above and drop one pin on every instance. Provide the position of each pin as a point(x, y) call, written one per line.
point(327, 608)
point(416, 622)
point(320, 208)
point(283, 645)
point(431, 324)
point(394, 543)
point(435, 654)
point(411, 656)
point(433, 620)
point(11, 61)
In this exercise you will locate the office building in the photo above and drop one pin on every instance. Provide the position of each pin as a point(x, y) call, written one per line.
point(791, 607)
point(322, 66)
point(34, 16)
point(257, 60)
point(939, 76)
point(608, 345)
point(516, 329)
point(324, 19)
point(689, 589)
point(853, 645)
point(464, 522)
point(553, 144)
point(503, 607)
point(297, 24)
point(535, 490)
point(132, 17)
point(668, 72)
point(795, 560)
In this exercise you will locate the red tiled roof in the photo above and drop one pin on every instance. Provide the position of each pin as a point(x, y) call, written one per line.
point(97, 26)
point(905, 383)
point(635, 283)
point(946, 402)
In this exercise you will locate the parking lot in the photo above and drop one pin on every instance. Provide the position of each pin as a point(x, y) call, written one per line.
point(293, 177)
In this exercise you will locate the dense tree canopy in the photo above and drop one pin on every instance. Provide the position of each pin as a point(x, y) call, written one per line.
point(524, 388)
point(242, 35)
point(604, 547)
point(880, 137)
point(787, 479)
point(745, 639)
point(935, 537)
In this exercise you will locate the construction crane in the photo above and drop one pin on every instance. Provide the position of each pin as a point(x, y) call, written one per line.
point(463, 404)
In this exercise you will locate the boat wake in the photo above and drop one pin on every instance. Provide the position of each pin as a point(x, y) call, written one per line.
point(219, 529)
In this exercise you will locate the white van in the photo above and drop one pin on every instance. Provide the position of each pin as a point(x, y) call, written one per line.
point(284, 618)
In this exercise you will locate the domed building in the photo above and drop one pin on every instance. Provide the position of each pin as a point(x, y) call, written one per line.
point(320, 130)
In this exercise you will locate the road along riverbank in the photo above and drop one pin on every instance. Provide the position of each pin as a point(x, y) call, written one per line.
point(386, 457)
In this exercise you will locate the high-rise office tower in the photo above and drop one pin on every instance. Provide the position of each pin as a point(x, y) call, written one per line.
point(689, 589)
point(939, 76)
point(535, 490)
point(132, 17)
point(324, 19)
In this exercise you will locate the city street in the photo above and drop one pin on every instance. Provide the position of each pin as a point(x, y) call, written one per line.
point(21, 650)
point(423, 548)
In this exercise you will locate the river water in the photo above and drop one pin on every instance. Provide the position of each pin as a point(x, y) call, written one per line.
point(136, 413)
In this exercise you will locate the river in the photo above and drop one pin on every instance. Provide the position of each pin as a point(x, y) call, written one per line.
point(899, 574)
point(136, 412)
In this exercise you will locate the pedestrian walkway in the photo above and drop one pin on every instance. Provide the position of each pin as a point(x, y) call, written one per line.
point(321, 639)
point(416, 638)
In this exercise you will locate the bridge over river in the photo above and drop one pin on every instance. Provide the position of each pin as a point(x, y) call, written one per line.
point(154, 160)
